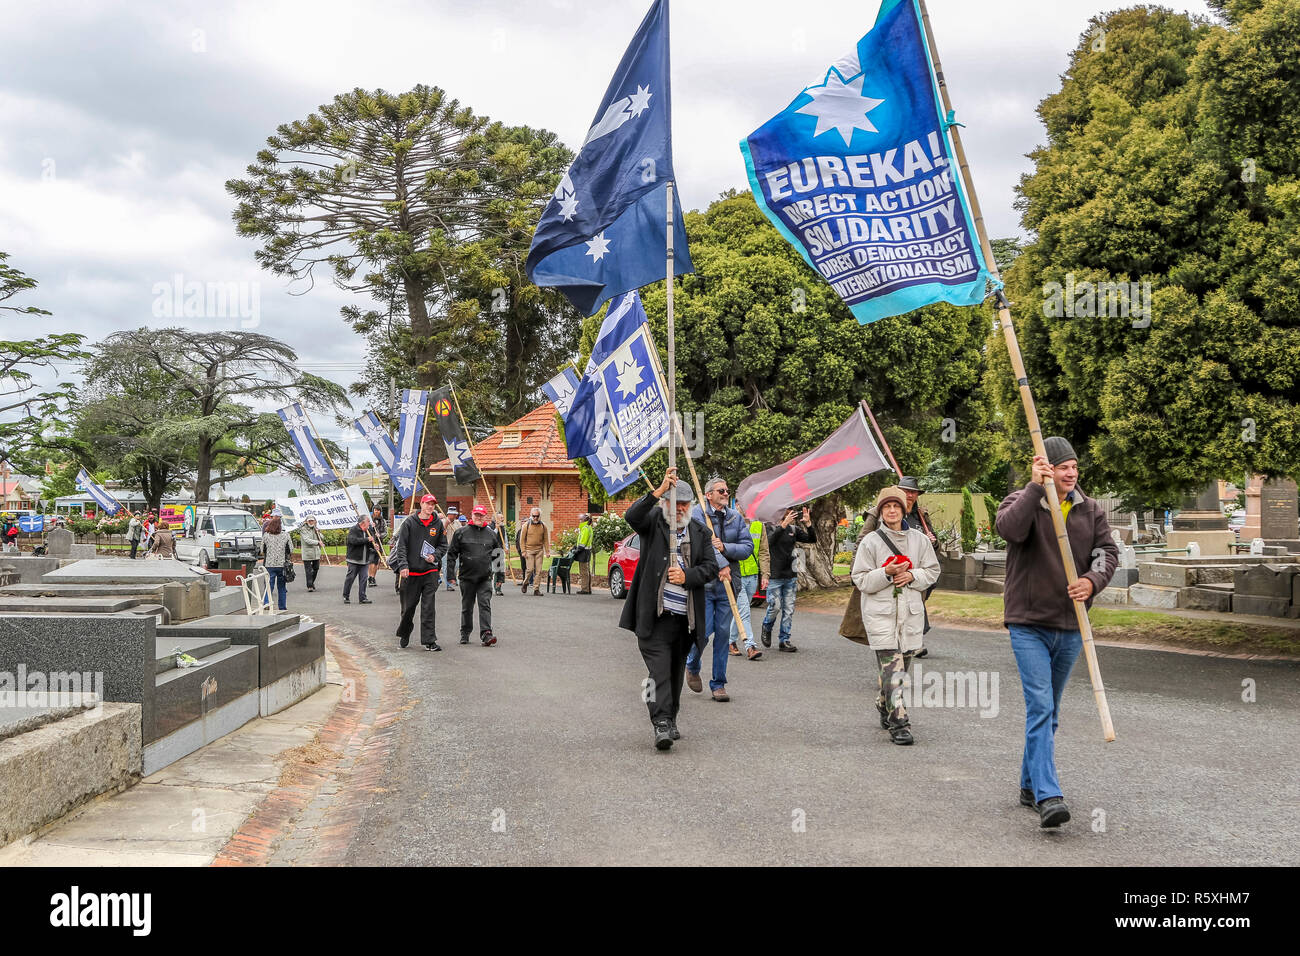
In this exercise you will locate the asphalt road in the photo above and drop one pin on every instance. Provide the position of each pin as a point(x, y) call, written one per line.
point(538, 751)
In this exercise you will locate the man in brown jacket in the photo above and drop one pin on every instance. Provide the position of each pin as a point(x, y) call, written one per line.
point(1039, 607)
point(534, 545)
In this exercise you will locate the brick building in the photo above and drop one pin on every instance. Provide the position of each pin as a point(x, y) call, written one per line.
point(525, 464)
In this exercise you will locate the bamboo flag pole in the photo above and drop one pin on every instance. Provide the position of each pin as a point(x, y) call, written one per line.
point(672, 352)
point(677, 431)
point(501, 532)
point(1026, 396)
point(346, 490)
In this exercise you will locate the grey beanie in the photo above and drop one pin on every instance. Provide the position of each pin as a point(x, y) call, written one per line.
point(1058, 450)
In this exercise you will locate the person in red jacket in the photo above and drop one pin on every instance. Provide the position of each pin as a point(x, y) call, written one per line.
point(1038, 607)
point(417, 555)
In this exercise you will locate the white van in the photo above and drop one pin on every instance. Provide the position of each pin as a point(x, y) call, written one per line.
point(220, 531)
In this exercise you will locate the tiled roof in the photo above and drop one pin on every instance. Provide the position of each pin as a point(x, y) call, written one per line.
point(540, 448)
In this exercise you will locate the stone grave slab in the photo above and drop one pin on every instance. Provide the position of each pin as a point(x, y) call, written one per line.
point(1205, 599)
point(1147, 595)
point(153, 591)
point(1123, 578)
point(86, 605)
point(1265, 606)
point(1266, 580)
point(1164, 575)
point(126, 571)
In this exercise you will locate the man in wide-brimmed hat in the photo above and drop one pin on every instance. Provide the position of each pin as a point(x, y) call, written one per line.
point(1038, 607)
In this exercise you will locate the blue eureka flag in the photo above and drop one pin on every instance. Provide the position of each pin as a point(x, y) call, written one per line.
point(608, 459)
point(637, 397)
point(857, 174)
point(103, 497)
point(381, 443)
point(560, 391)
point(605, 230)
point(314, 463)
point(589, 413)
point(410, 430)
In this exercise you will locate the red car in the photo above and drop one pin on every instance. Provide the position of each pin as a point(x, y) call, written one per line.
point(622, 565)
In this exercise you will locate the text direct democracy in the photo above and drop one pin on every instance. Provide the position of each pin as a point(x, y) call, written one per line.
point(900, 220)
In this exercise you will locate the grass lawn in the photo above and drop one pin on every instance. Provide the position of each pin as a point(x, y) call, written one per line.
point(1121, 624)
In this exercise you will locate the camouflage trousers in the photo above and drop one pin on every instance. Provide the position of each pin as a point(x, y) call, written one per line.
point(889, 683)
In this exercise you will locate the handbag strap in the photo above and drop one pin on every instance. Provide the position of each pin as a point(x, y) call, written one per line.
point(889, 544)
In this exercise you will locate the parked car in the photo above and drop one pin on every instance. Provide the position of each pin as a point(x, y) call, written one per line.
point(220, 532)
point(622, 565)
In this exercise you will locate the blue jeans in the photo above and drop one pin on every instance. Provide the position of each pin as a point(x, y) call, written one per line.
point(744, 594)
point(717, 620)
point(276, 584)
point(780, 600)
point(1044, 656)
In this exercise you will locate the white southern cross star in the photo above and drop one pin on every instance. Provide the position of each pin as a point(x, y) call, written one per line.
point(405, 463)
point(404, 484)
point(413, 407)
point(597, 246)
point(376, 434)
point(295, 422)
point(458, 449)
point(629, 376)
point(640, 100)
point(841, 107)
point(610, 461)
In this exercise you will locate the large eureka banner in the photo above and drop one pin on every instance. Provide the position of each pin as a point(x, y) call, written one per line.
point(857, 174)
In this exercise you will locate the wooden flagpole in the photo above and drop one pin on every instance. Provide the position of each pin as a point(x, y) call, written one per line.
point(677, 431)
point(1026, 396)
point(501, 532)
point(884, 444)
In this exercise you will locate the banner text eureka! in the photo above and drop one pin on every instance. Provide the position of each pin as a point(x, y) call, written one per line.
point(899, 222)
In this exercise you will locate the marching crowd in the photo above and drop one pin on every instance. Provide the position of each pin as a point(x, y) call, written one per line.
point(700, 568)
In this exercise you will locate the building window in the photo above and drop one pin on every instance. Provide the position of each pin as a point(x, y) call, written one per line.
point(511, 438)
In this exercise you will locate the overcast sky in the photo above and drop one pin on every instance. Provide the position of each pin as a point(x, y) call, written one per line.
point(120, 123)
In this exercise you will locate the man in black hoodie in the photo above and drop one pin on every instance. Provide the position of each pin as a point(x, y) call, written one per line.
point(417, 556)
point(475, 546)
point(793, 528)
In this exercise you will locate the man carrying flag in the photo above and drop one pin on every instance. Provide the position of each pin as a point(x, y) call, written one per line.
point(417, 555)
point(604, 230)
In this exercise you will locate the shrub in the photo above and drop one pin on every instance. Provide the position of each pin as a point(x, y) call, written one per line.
point(609, 529)
point(968, 530)
point(568, 541)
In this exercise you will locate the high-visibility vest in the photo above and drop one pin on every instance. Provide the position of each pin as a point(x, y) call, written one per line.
point(749, 565)
point(584, 535)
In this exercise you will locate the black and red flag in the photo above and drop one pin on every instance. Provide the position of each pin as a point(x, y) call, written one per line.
point(847, 455)
point(452, 430)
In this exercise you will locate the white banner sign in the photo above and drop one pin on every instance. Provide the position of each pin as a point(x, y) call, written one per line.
point(331, 509)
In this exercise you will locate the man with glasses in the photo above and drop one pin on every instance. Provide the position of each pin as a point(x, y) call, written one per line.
point(733, 543)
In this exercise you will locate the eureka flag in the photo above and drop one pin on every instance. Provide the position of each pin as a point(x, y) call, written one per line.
point(314, 463)
point(381, 443)
point(103, 497)
point(857, 174)
point(410, 432)
point(605, 230)
point(608, 459)
point(849, 454)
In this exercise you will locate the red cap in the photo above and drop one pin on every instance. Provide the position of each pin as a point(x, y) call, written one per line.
point(428, 498)
point(480, 510)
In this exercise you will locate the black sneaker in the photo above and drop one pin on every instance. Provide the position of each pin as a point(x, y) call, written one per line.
point(346, 599)
point(371, 581)
point(488, 638)
point(404, 641)
point(787, 647)
point(676, 734)
point(663, 735)
point(1027, 798)
point(1052, 812)
point(884, 716)
point(432, 647)
point(767, 637)
point(365, 601)
point(901, 735)
point(464, 638)
point(923, 652)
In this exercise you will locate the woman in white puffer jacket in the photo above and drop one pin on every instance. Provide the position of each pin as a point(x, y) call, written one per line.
point(893, 607)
